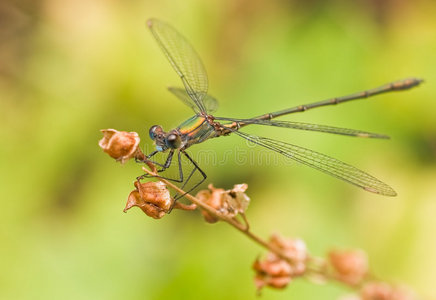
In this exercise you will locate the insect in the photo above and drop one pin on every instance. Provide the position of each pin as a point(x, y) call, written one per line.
point(204, 126)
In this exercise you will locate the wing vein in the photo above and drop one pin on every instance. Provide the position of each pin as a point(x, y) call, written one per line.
point(184, 60)
point(324, 163)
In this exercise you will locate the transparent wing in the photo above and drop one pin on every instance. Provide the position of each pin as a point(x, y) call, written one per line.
point(308, 126)
point(183, 59)
point(324, 163)
point(210, 103)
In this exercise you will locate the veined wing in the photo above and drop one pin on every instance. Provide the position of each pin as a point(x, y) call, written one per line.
point(308, 126)
point(324, 163)
point(210, 103)
point(183, 59)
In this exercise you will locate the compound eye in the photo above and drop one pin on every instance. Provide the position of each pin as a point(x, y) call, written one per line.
point(173, 141)
point(154, 131)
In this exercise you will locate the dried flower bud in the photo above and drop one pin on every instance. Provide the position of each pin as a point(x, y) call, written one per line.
point(276, 272)
point(152, 197)
point(294, 249)
point(273, 266)
point(212, 197)
point(150, 210)
point(272, 272)
point(349, 266)
point(120, 145)
point(238, 201)
point(261, 281)
point(385, 291)
point(227, 202)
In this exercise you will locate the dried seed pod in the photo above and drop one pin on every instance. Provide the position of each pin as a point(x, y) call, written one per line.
point(294, 249)
point(120, 145)
point(152, 197)
point(349, 266)
point(227, 202)
point(385, 291)
point(238, 201)
point(276, 272)
point(274, 282)
point(216, 198)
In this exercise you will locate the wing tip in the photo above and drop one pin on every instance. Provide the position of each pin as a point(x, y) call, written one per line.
point(417, 80)
point(373, 135)
point(388, 191)
point(383, 136)
point(392, 193)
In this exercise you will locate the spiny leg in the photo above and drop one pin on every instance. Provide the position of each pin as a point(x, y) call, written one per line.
point(166, 166)
point(152, 154)
point(176, 196)
point(167, 162)
point(196, 167)
point(147, 158)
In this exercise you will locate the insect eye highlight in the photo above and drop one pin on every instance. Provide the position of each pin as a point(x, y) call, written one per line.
point(173, 141)
point(155, 131)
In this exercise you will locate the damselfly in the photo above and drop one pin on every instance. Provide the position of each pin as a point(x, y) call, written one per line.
point(203, 125)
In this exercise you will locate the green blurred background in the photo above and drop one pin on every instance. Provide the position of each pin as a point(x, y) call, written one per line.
point(70, 68)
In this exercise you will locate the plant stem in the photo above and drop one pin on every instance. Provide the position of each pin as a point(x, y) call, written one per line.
point(244, 229)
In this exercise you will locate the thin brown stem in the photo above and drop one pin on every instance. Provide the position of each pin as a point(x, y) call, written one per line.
point(245, 220)
point(244, 229)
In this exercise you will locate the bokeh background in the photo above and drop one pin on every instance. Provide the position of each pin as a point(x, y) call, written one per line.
point(70, 68)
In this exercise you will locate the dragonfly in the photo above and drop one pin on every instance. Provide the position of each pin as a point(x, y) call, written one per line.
point(204, 126)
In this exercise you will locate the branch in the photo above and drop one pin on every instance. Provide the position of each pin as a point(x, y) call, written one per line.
point(286, 258)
